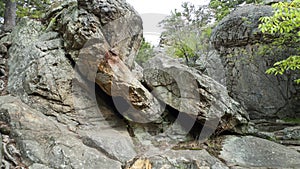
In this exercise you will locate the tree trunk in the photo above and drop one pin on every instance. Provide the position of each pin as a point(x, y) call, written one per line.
point(10, 15)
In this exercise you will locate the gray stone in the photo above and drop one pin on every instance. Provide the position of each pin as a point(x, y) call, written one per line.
point(137, 71)
point(38, 166)
point(109, 72)
point(240, 44)
point(212, 65)
point(112, 143)
point(191, 92)
point(88, 22)
point(45, 141)
point(39, 70)
point(250, 151)
point(200, 159)
point(240, 27)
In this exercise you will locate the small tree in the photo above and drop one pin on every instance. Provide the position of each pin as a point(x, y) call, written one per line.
point(145, 52)
point(285, 25)
point(10, 9)
point(10, 15)
point(187, 32)
point(224, 7)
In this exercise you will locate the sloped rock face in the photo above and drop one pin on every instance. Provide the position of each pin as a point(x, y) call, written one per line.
point(39, 70)
point(240, 44)
point(188, 91)
point(75, 101)
point(45, 141)
point(61, 104)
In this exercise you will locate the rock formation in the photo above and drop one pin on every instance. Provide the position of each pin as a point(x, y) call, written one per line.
point(76, 98)
point(239, 42)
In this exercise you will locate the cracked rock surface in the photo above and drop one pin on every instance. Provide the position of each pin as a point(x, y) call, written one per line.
point(75, 99)
point(237, 39)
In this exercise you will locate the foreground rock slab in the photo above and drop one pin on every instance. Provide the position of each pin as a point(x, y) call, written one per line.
point(251, 151)
point(186, 159)
point(46, 143)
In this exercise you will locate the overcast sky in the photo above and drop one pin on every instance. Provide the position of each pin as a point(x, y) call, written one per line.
point(161, 6)
point(153, 11)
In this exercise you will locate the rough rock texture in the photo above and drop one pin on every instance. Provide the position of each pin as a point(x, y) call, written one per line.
point(131, 98)
point(264, 96)
point(188, 91)
point(240, 28)
point(72, 81)
point(208, 64)
point(247, 152)
point(104, 52)
point(43, 140)
point(42, 75)
point(180, 159)
point(3, 67)
point(103, 20)
point(39, 71)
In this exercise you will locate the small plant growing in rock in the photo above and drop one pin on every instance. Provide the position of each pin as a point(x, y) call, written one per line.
point(284, 24)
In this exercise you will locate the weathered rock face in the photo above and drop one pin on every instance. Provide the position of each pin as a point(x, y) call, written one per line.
point(45, 141)
point(240, 28)
point(264, 96)
point(188, 91)
point(39, 72)
point(104, 52)
point(250, 152)
point(42, 62)
point(3, 67)
point(173, 159)
point(71, 80)
point(105, 20)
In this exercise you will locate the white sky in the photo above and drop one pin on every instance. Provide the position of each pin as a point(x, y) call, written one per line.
point(161, 6)
point(153, 11)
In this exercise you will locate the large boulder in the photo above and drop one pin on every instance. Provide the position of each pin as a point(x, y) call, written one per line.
point(240, 27)
point(193, 93)
point(252, 152)
point(241, 47)
point(104, 53)
point(113, 20)
point(42, 63)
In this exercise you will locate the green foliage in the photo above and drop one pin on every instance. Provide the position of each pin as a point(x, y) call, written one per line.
point(145, 52)
point(224, 7)
point(2, 7)
point(292, 120)
point(32, 8)
point(187, 32)
point(284, 25)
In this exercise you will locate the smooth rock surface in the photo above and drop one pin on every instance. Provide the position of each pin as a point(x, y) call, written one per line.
point(112, 143)
point(251, 151)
